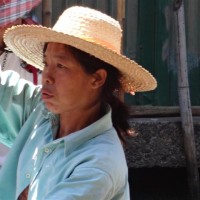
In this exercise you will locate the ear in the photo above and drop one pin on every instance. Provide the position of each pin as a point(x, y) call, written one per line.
point(98, 78)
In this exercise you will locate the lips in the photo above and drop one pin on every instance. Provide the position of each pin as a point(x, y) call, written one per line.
point(46, 94)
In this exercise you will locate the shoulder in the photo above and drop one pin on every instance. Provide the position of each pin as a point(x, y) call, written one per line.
point(104, 152)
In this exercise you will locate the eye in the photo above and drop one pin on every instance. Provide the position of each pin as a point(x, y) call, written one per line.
point(61, 66)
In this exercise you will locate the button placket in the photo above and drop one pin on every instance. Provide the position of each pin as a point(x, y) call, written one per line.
point(42, 155)
point(28, 176)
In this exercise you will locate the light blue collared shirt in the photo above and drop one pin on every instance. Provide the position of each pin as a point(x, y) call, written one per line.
point(88, 164)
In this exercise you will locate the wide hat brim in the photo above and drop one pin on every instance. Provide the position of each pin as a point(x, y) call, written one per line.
point(27, 42)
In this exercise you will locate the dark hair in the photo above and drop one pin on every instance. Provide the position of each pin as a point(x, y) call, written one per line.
point(111, 89)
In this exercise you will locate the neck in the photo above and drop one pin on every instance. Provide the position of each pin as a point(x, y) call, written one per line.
point(77, 120)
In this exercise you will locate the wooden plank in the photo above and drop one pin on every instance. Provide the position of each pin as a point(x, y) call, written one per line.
point(47, 13)
point(160, 111)
point(120, 19)
point(121, 11)
point(192, 13)
point(131, 27)
point(193, 47)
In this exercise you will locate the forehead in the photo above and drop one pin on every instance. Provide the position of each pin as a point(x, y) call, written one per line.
point(60, 52)
point(56, 48)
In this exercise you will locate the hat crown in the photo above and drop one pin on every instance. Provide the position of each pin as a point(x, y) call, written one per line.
point(90, 25)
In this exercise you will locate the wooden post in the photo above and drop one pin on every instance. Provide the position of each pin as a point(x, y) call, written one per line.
point(121, 11)
point(46, 13)
point(120, 18)
point(185, 105)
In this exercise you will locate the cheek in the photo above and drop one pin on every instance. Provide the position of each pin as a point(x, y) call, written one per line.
point(64, 86)
point(72, 88)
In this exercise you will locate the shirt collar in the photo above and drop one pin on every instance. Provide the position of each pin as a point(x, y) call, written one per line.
point(75, 139)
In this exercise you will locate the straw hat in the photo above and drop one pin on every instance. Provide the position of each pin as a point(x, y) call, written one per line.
point(11, 10)
point(88, 30)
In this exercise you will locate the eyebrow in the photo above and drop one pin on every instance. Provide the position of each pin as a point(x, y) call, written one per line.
point(57, 56)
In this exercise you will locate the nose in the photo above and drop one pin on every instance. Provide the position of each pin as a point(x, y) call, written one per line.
point(48, 76)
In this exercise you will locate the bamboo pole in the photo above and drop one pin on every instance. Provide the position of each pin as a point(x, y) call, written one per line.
point(46, 13)
point(185, 105)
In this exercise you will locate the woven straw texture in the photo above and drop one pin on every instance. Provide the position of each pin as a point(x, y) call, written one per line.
point(88, 30)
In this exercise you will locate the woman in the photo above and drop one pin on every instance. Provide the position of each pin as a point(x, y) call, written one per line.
point(67, 136)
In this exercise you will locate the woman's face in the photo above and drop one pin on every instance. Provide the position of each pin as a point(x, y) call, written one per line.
point(66, 87)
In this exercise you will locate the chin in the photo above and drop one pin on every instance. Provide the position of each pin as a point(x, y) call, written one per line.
point(55, 111)
point(52, 109)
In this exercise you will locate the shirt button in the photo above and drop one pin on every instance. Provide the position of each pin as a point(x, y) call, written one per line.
point(46, 150)
point(28, 175)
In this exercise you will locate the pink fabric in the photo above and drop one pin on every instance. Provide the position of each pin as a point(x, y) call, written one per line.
point(2, 2)
point(10, 10)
